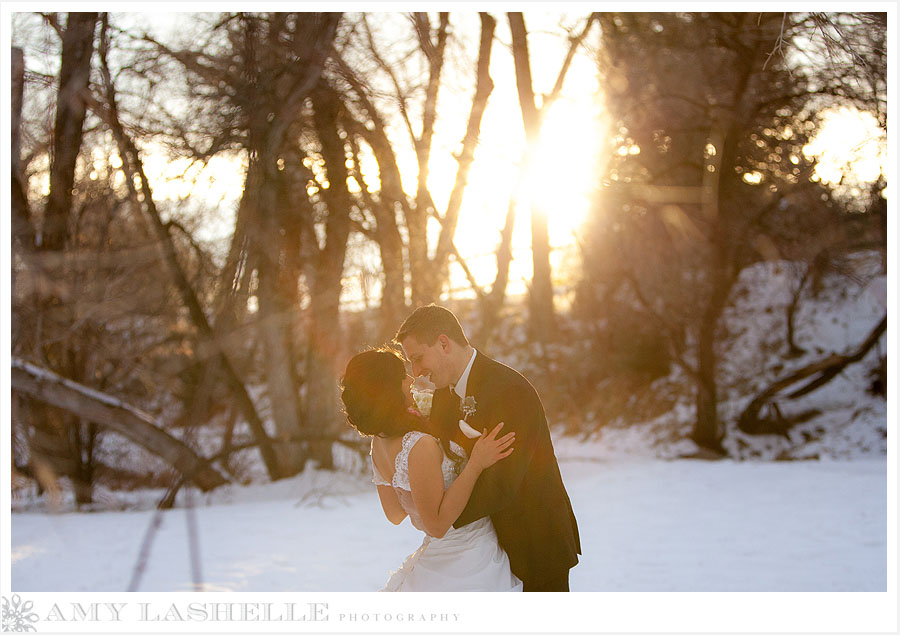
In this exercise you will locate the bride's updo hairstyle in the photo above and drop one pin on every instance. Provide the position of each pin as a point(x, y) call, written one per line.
point(374, 401)
point(372, 392)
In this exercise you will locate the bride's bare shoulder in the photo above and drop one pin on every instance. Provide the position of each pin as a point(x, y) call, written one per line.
point(427, 449)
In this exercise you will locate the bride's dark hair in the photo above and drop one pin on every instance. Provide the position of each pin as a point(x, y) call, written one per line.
point(372, 392)
point(374, 401)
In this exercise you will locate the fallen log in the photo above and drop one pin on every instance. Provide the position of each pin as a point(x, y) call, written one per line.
point(110, 412)
point(826, 369)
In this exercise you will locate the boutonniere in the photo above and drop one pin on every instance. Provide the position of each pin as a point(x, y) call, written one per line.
point(468, 408)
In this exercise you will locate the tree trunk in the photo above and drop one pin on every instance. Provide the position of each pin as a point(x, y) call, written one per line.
point(721, 275)
point(22, 233)
point(706, 431)
point(274, 317)
point(393, 296)
point(791, 311)
point(270, 121)
point(57, 447)
point(426, 284)
point(493, 303)
point(108, 411)
point(325, 340)
point(387, 233)
point(541, 293)
point(74, 75)
point(17, 81)
point(268, 135)
point(720, 200)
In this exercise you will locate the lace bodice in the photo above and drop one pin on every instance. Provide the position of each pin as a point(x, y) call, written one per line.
point(400, 480)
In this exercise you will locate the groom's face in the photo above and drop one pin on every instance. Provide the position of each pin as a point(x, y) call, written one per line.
point(431, 360)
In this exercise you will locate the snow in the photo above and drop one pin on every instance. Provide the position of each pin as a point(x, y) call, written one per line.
point(837, 319)
point(804, 512)
point(851, 423)
point(646, 525)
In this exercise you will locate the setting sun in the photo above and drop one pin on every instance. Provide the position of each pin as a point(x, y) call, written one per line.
point(849, 144)
point(563, 171)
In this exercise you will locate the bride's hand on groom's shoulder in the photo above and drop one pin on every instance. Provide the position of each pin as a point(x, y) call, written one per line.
point(489, 448)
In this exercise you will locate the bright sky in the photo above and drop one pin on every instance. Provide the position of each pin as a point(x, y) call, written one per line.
point(560, 181)
point(562, 177)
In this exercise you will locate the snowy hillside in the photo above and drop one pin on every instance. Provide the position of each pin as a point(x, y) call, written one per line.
point(847, 421)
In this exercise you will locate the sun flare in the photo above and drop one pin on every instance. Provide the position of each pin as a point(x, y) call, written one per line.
point(850, 145)
point(564, 168)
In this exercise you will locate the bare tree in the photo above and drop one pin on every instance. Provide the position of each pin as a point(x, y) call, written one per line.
point(532, 118)
point(268, 90)
point(371, 126)
point(62, 442)
point(133, 166)
point(541, 285)
point(709, 172)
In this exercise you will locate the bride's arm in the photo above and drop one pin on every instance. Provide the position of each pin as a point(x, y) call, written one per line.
point(391, 504)
point(386, 493)
point(439, 508)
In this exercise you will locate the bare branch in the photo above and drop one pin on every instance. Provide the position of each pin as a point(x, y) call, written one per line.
point(483, 88)
point(471, 278)
point(399, 93)
point(779, 43)
point(574, 43)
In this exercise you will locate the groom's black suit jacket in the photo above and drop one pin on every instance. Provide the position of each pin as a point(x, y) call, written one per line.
point(523, 493)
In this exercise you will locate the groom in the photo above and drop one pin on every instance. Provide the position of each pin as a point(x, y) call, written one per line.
point(523, 493)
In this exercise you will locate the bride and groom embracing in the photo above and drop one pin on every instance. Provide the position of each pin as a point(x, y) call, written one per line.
point(477, 475)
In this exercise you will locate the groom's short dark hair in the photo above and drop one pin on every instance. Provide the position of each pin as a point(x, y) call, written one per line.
point(428, 322)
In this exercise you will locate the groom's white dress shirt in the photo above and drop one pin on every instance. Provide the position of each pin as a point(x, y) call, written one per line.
point(460, 387)
point(460, 390)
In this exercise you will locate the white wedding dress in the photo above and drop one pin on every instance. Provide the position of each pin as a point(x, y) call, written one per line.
point(464, 559)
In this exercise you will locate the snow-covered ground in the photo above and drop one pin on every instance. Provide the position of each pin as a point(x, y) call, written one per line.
point(646, 525)
point(649, 521)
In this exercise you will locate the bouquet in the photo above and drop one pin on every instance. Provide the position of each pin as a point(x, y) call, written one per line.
point(422, 391)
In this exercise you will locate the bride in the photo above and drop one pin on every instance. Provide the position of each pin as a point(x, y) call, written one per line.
point(427, 479)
